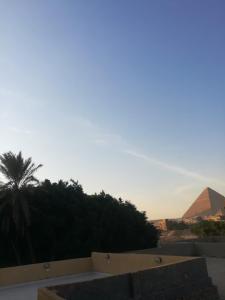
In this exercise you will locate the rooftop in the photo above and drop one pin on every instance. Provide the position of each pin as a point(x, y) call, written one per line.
point(29, 290)
point(103, 275)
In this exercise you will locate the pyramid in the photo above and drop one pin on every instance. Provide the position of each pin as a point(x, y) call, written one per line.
point(208, 203)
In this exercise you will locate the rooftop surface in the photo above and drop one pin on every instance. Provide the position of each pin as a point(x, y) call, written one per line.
point(216, 269)
point(30, 281)
point(22, 282)
point(28, 291)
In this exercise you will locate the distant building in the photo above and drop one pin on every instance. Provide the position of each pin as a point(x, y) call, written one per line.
point(165, 224)
point(160, 224)
point(209, 205)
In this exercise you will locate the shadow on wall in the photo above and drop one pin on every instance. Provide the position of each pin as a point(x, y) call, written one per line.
point(208, 249)
point(185, 280)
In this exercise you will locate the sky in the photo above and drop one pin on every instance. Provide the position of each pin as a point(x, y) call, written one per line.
point(124, 96)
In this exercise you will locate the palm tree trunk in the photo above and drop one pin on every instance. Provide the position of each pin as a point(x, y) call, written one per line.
point(30, 247)
point(16, 252)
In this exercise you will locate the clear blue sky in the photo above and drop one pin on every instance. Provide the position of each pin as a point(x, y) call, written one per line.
point(126, 96)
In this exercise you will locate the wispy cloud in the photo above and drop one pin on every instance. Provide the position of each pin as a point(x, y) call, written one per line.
point(184, 189)
point(109, 140)
point(102, 138)
point(173, 168)
point(97, 135)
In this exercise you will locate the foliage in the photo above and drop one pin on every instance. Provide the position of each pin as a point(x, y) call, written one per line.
point(209, 228)
point(14, 199)
point(173, 225)
point(19, 172)
point(64, 222)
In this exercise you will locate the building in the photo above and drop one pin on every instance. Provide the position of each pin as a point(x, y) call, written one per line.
point(160, 224)
point(208, 205)
point(110, 276)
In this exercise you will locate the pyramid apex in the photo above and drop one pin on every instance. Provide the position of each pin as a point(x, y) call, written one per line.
point(208, 188)
point(209, 202)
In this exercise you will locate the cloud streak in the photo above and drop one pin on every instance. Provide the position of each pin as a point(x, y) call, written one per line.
point(102, 138)
point(180, 190)
point(173, 168)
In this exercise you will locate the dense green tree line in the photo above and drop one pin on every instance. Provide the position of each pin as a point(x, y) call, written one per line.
point(57, 220)
point(209, 228)
point(174, 225)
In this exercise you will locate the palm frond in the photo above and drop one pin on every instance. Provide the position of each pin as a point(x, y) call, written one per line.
point(17, 171)
point(14, 205)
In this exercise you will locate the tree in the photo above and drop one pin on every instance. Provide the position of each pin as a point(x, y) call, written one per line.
point(174, 225)
point(14, 198)
point(18, 172)
point(58, 220)
point(209, 228)
point(73, 224)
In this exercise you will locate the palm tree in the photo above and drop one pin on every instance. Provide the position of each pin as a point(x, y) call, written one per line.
point(18, 172)
point(14, 194)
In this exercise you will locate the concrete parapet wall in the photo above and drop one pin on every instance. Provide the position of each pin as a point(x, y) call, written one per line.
point(187, 280)
point(99, 262)
point(177, 249)
point(14, 275)
point(120, 263)
point(188, 249)
point(212, 239)
point(109, 288)
point(211, 249)
point(46, 294)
